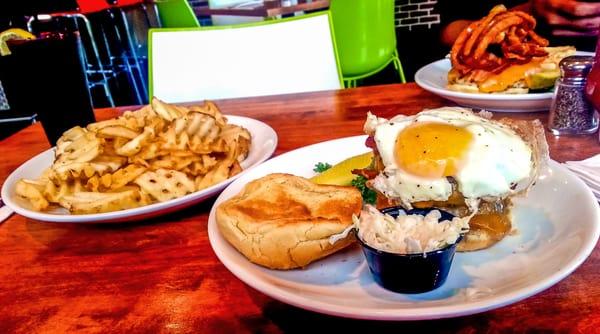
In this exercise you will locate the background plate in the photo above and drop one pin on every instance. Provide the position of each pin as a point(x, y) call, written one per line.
point(264, 142)
point(434, 78)
point(558, 225)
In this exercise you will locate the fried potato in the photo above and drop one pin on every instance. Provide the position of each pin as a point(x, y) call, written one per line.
point(117, 131)
point(238, 139)
point(31, 191)
point(149, 152)
point(210, 108)
point(116, 180)
point(222, 171)
point(83, 148)
point(68, 137)
point(168, 112)
point(152, 154)
point(85, 170)
point(54, 192)
point(127, 122)
point(135, 145)
point(95, 202)
point(165, 184)
point(173, 162)
point(201, 167)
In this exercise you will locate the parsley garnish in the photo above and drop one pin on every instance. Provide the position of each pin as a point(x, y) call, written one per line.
point(369, 196)
point(320, 167)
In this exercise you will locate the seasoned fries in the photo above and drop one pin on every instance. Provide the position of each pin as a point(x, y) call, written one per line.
point(154, 154)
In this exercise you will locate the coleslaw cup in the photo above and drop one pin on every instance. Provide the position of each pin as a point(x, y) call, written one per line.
point(410, 273)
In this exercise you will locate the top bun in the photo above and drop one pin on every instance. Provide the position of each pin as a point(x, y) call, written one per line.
point(282, 221)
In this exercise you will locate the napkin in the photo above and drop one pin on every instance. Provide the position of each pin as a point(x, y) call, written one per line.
point(588, 171)
point(5, 212)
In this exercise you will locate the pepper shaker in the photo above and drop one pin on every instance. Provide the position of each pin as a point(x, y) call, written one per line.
point(570, 112)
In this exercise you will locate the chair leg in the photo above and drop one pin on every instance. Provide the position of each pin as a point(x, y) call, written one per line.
point(351, 83)
point(398, 66)
point(108, 94)
point(130, 39)
point(96, 54)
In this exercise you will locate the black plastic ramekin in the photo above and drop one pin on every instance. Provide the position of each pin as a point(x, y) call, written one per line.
point(410, 273)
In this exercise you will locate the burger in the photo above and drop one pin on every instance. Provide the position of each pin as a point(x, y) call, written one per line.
point(456, 160)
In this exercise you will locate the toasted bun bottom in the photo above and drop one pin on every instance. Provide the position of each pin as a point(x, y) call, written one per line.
point(478, 239)
point(277, 246)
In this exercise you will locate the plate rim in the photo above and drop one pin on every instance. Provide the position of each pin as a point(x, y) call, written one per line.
point(474, 96)
point(434, 312)
point(153, 209)
point(479, 98)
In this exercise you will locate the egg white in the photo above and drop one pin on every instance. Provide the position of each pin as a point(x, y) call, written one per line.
point(497, 159)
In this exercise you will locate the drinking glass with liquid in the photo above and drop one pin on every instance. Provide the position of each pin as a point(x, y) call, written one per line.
point(53, 82)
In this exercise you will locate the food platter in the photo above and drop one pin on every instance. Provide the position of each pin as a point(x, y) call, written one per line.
point(264, 142)
point(557, 227)
point(433, 78)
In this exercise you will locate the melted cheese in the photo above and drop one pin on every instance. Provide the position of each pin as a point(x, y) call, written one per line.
point(505, 79)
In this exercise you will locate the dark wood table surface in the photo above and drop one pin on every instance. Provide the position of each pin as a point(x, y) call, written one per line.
point(162, 275)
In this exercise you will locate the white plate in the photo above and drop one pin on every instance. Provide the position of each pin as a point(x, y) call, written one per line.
point(558, 225)
point(264, 142)
point(434, 78)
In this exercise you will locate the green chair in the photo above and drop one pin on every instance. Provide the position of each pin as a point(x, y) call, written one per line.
point(365, 38)
point(176, 14)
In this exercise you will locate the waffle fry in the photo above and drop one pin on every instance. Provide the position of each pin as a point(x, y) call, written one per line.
point(153, 154)
point(96, 202)
point(164, 184)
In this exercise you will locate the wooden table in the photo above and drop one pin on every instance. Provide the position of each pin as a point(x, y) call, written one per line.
point(267, 9)
point(162, 275)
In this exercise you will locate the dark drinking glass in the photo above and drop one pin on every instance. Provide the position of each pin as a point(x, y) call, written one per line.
point(592, 88)
point(53, 82)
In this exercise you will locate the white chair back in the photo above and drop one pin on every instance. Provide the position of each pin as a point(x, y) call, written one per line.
point(266, 58)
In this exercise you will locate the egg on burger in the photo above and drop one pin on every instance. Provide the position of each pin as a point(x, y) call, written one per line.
point(459, 161)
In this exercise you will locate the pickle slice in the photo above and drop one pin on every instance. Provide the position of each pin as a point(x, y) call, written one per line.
point(541, 80)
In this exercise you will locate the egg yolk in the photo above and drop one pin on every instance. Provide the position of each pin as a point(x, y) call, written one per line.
point(432, 150)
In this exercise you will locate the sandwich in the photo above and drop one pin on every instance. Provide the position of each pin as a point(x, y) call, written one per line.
point(456, 160)
point(501, 53)
point(282, 221)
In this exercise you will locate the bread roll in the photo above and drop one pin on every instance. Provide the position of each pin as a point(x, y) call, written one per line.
point(283, 221)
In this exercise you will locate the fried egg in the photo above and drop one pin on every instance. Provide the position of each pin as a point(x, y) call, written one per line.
point(423, 152)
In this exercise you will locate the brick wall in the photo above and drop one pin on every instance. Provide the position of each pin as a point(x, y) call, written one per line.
point(411, 13)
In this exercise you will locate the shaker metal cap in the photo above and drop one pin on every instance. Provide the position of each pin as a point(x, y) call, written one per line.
point(576, 67)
